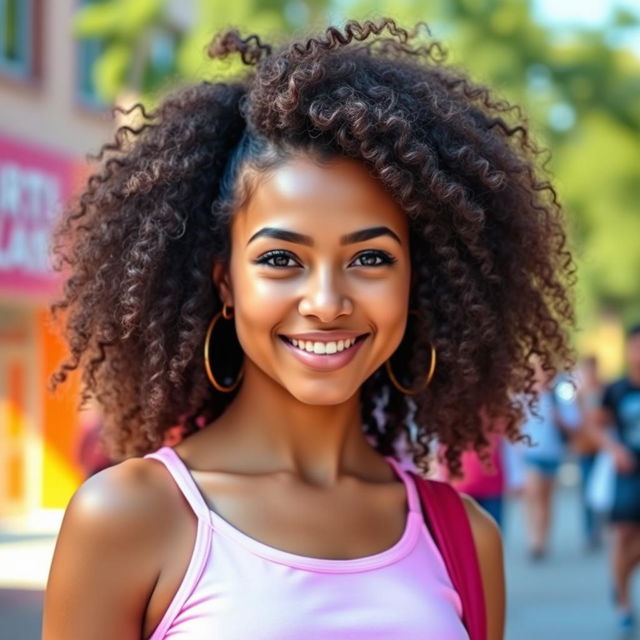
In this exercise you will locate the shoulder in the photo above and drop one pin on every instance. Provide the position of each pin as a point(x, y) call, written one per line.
point(617, 386)
point(613, 391)
point(488, 542)
point(486, 533)
point(129, 511)
point(134, 492)
point(116, 535)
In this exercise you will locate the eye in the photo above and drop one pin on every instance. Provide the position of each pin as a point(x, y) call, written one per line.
point(278, 258)
point(373, 259)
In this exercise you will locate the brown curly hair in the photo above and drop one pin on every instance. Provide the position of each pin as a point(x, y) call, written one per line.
point(491, 267)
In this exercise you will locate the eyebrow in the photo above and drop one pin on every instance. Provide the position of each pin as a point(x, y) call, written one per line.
point(298, 238)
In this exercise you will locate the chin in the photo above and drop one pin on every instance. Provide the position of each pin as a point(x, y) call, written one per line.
point(321, 395)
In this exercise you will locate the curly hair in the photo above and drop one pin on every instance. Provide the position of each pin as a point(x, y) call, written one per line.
point(492, 272)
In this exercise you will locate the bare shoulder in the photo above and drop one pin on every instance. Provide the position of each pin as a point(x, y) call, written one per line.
point(134, 492)
point(109, 554)
point(488, 541)
point(486, 532)
point(127, 504)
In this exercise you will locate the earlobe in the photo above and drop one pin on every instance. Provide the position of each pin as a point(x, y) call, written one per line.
point(222, 282)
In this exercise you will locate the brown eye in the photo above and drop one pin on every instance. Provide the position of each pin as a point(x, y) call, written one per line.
point(278, 259)
point(373, 259)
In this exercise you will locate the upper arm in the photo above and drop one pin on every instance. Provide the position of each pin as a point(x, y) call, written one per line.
point(107, 556)
point(488, 541)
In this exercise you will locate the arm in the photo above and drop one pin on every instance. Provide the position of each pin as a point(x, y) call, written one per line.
point(602, 432)
point(108, 555)
point(601, 428)
point(488, 542)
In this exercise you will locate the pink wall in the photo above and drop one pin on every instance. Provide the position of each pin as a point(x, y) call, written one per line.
point(33, 184)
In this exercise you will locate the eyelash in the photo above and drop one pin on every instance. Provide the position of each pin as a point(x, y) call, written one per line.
point(385, 258)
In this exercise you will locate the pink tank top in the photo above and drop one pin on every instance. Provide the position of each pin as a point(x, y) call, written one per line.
point(237, 588)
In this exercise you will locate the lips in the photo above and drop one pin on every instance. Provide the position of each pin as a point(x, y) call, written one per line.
point(324, 355)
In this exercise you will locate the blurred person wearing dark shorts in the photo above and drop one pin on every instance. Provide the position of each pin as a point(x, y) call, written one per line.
point(619, 421)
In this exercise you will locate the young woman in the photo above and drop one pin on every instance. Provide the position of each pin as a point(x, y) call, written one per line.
point(347, 245)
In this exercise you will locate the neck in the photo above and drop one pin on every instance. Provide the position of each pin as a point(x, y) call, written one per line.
point(278, 432)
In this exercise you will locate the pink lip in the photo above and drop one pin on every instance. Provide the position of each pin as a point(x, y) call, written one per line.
point(325, 362)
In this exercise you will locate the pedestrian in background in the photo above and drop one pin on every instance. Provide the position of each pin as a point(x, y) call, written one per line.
point(486, 484)
point(619, 432)
point(483, 480)
point(549, 429)
point(586, 446)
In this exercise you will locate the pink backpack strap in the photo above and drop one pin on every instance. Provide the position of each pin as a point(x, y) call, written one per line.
point(447, 520)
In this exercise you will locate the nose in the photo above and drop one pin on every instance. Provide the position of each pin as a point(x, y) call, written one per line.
point(324, 296)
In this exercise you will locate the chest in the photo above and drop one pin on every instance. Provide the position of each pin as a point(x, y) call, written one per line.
point(351, 520)
point(259, 520)
point(249, 590)
point(248, 597)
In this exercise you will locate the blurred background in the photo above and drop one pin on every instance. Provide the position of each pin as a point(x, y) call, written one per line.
point(574, 65)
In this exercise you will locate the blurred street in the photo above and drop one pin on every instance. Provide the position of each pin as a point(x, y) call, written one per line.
point(24, 563)
point(565, 596)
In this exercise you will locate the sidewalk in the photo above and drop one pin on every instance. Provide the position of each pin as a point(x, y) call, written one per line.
point(567, 595)
point(25, 560)
point(25, 556)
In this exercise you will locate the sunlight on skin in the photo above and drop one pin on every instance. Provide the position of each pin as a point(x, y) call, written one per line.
point(320, 284)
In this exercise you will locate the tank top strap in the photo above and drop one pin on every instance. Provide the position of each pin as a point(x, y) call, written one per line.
point(183, 479)
point(413, 498)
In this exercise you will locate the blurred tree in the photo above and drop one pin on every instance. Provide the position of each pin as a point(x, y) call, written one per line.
point(581, 92)
point(149, 43)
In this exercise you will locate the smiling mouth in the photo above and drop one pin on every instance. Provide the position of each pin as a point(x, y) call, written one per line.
point(324, 347)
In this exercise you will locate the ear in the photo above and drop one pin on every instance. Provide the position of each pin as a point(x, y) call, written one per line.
point(222, 282)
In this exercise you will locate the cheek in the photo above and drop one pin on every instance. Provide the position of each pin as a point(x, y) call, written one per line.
point(261, 304)
point(385, 305)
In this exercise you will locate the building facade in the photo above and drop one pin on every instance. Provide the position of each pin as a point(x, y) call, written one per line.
point(50, 118)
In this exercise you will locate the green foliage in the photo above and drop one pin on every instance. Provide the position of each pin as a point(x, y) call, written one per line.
point(118, 19)
point(111, 68)
point(214, 15)
point(131, 30)
point(581, 93)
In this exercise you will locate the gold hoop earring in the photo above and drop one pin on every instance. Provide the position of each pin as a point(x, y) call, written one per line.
point(226, 314)
point(427, 380)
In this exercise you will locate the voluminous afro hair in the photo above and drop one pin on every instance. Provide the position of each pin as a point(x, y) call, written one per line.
point(490, 263)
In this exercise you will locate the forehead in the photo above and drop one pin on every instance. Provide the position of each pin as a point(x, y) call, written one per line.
point(324, 198)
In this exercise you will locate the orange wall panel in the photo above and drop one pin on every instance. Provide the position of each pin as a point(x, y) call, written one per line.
point(61, 474)
point(16, 430)
point(16, 399)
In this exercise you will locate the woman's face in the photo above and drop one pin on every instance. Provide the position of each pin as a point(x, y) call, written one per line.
point(318, 277)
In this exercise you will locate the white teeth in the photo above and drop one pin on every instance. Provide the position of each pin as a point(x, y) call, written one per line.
point(323, 348)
